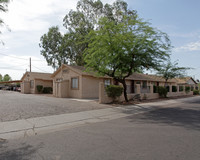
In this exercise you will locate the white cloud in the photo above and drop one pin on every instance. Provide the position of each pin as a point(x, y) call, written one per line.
point(193, 46)
point(16, 66)
point(28, 21)
point(30, 15)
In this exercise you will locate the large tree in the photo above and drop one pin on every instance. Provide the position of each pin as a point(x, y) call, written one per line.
point(171, 70)
point(123, 46)
point(78, 24)
point(6, 78)
point(53, 47)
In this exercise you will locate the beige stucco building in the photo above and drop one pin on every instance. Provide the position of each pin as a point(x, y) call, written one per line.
point(30, 80)
point(73, 82)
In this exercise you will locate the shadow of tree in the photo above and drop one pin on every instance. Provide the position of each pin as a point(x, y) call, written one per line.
point(176, 116)
point(22, 151)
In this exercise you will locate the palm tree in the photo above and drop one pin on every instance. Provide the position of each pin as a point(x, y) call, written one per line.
point(3, 8)
point(171, 70)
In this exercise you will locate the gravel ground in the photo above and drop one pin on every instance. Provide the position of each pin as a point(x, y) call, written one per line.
point(14, 105)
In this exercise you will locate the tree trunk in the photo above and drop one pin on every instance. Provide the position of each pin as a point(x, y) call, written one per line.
point(125, 88)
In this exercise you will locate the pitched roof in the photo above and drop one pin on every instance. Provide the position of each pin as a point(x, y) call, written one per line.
point(184, 80)
point(78, 69)
point(38, 75)
point(135, 76)
point(147, 77)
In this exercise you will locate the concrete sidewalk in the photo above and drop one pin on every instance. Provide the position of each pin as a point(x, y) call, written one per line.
point(40, 125)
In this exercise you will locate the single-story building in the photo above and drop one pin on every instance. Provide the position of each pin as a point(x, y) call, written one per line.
point(187, 81)
point(72, 81)
point(30, 80)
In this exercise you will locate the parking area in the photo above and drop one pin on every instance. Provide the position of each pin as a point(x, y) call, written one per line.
point(14, 105)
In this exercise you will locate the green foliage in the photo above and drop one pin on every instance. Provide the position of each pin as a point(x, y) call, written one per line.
point(6, 78)
point(114, 91)
point(3, 8)
point(39, 88)
point(187, 89)
point(180, 88)
point(117, 49)
point(47, 90)
point(171, 70)
point(1, 78)
point(53, 47)
point(196, 92)
point(162, 91)
point(167, 87)
point(174, 89)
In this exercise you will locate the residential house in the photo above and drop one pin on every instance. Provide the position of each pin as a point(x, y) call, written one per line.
point(73, 81)
point(187, 81)
point(30, 80)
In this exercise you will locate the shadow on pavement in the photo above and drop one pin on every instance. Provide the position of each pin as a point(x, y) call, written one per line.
point(176, 116)
point(20, 152)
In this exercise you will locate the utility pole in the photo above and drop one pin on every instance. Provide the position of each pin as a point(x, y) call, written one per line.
point(30, 64)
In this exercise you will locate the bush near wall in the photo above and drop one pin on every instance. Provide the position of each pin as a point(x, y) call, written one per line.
point(174, 89)
point(39, 88)
point(180, 88)
point(187, 89)
point(162, 91)
point(114, 91)
point(47, 90)
point(196, 92)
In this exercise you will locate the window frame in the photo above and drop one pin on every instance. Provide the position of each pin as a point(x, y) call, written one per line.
point(106, 80)
point(72, 83)
point(31, 83)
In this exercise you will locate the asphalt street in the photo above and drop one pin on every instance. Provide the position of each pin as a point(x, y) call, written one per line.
point(165, 133)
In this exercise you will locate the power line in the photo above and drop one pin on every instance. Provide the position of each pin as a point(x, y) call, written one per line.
point(39, 69)
point(11, 69)
point(20, 58)
point(14, 66)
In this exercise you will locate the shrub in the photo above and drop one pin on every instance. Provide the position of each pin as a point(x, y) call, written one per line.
point(187, 89)
point(39, 88)
point(196, 92)
point(162, 91)
point(174, 89)
point(114, 91)
point(180, 88)
point(47, 90)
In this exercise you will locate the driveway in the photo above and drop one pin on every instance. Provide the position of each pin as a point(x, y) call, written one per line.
point(14, 105)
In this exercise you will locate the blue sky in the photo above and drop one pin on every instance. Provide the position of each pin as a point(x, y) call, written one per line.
point(28, 21)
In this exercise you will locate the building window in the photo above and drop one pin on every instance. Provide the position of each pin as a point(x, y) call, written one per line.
point(144, 85)
point(138, 82)
point(74, 83)
point(32, 83)
point(107, 82)
point(59, 80)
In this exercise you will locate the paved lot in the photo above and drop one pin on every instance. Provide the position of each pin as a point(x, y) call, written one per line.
point(14, 106)
point(165, 133)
